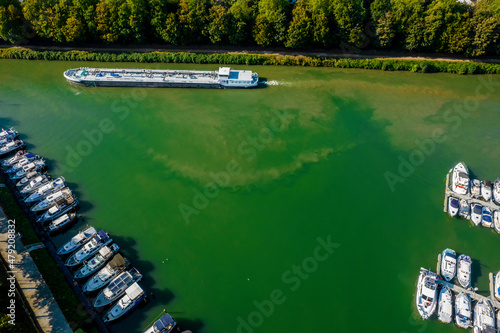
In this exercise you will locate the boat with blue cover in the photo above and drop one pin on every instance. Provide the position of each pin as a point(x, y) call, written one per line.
point(163, 325)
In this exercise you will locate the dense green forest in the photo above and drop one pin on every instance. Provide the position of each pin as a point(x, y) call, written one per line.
point(444, 26)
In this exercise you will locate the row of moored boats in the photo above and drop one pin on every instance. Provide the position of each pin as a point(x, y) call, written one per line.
point(93, 256)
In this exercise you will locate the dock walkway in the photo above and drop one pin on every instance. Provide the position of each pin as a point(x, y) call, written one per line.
point(475, 296)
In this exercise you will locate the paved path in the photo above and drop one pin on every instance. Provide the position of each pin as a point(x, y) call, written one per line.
point(37, 293)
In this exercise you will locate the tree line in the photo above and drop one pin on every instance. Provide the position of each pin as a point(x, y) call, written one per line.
point(444, 26)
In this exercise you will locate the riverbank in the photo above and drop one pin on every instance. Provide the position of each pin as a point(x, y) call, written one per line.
point(386, 64)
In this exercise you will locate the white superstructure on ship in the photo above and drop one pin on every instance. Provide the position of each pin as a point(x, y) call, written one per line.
point(225, 77)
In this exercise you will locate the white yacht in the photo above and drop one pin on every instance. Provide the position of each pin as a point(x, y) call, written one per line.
point(445, 305)
point(106, 274)
point(448, 264)
point(463, 310)
point(496, 191)
point(45, 190)
point(96, 262)
point(51, 200)
point(34, 184)
point(426, 297)
point(116, 288)
point(61, 223)
point(486, 190)
point(484, 317)
point(497, 286)
point(33, 166)
point(496, 220)
point(163, 325)
point(453, 206)
point(464, 270)
point(63, 206)
point(134, 295)
point(486, 217)
point(475, 188)
point(14, 159)
point(11, 147)
point(460, 179)
point(100, 240)
point(464, 209)
point(24, 181)
point(476, 213)
point(77, 241)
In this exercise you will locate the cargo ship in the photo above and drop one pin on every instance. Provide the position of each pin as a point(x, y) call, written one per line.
point(225, 77)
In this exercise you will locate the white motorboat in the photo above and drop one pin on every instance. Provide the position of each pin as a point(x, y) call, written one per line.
point(134, 295)
point(77, 241)
point(476, 213)
point(24, 181)
point(497, 286)
point(463, 310)
point(475, 188)
point(34, 184)
point(13, 160)
point(12, 147)
point(22, 161)
point(51, 200)
point(163, 325)
point(62, 206)
point(96, 262)
point(464, 209)
point(117, 287)
point(486, 190)
point(496, 191)
point(33, 166)
point(453, 206)
point(445, 305)
point(486, 217)
point(496, 220)
point(9, 133)
point(61, 223)
point(90, 248)
point(426, 297)
point(460, 179)
point(448, 264)
point(484, 317)
point(106, 274)
point(464, 270)
point(45, 190)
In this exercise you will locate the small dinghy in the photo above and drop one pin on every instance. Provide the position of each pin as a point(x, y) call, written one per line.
point(34, 184)
point(445, 305)
point(51, 200)
point(475, 188)
point(476, 213)
point(77, 241)
point(45, 190)
point(496, 220)
point(117, 287)
point(463, 310)
point(105, 275)
point(163, 325)
point(31, 175)
point(12, 147)
point(464, 270)
point(487, 217)
point(486, 190)
point(61, 223)
point(496, 191)
point(97, 262)
point(484, 317)
point(100, 240)
point(460, 179)
point(14, 159)
point(64, 206)
point(453, 206)
point(426, 297)
point(134, 295)
point(448, 264)
point(464, 209)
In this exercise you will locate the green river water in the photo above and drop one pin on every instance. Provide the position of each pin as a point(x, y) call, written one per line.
point(301, 163)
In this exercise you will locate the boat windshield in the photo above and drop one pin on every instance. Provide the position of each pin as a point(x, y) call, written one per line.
point(477, 209)
point(454, 203)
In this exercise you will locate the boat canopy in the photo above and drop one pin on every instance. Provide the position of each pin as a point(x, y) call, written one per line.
point(463, 175)
point(134, 291)
point(118, 284)
point(164, 324)
point(104, 251)
point(101, 236)
point(487, 183)
point(29, 155)
point(477, 209)
point(454, 202)
point(117, 261)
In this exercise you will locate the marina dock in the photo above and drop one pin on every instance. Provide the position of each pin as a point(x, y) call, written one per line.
point(475, 296)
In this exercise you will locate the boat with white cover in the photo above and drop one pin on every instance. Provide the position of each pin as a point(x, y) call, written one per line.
point(7, 163)
point(464, 211)
point(100, 240)
point(46, 189)
point(484, 317)
point(77, 241)
point(475, 188)
point(463, 310)
point(33, 166)
point(23, 160)
point(460, 179)
point(445, 305)
point(225, 77)
point(476, 213)
point(486, 190)
point(105, 275)
point(134, 295)
point(453, 206)
point(486, 217)
point(9, 133)
point(61, 223)
point(163, 325)
point(51, 200)
point(116, 288)
point(426, 297)
point(63, 206)
point(464, 270)
point(24, 181)
point(448, 264)
point(496, 191)
point(95, 263)
point(34, 184)
point(497, 286)
point(496, 220)
point(12, 147)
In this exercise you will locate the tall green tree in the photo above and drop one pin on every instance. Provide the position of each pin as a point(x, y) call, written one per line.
point(300, 31)
point(11, 21)
point(193, 20)
point(350, 17)
point(242, 18)
point(48, 17)
point(271, 22)
point(219, 24)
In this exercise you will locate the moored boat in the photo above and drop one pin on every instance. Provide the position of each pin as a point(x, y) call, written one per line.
point(24, 159)
point(445, 305)
point(453, 206)
point(464, 209)
point(486, 217)
point(51, 200)
point(464, 270)
point(116, 288)
point(463, 310)
point(61, 223)
point(426, 297)
point(448, 264)
point(90, 248)
point(497, 286)
point(96, 262)
point(24, 181)
point(62, 206)
point(34, 184)
point(163, 325)
point(484, 317)
point(460, 179)
point(476, 213)
point(77, 241)
point(11, 147)
point(496, 220)
point(496, 191)
point(134, 295)
point(13, 160)
point(486, 190)
point(45, 190)
point(33, 166)
point(475, 188)
point(9, 133)
point(106, 274)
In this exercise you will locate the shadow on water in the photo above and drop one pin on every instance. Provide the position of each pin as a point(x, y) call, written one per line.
point(84, 206)
point(476, 271)
point(7, 122)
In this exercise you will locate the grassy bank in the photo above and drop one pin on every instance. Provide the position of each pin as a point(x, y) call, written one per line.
point(66, 299)
point(420, 66)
